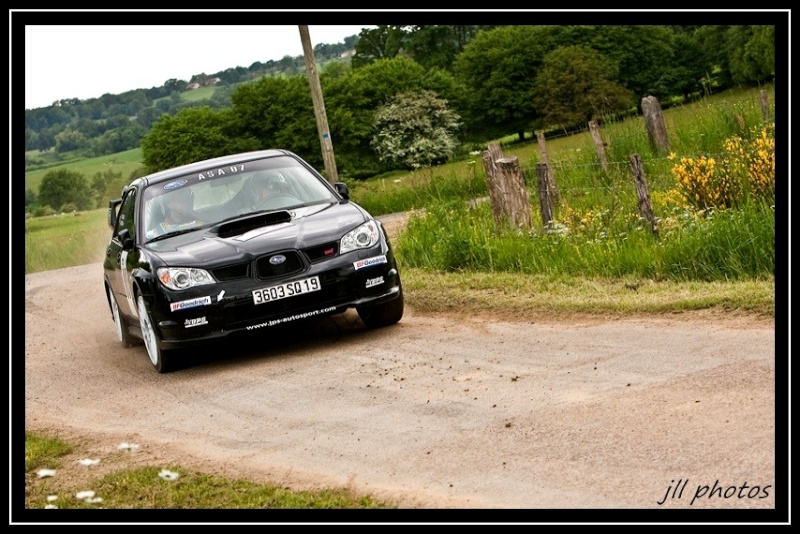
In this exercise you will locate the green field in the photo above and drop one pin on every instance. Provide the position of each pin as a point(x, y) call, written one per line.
point(122, 162)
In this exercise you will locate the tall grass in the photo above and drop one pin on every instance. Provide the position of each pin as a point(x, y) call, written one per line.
point(721, 246)
point(395, 193)
point(65, 240)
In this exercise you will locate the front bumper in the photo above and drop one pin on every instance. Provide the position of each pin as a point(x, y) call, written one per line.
point(355, 279)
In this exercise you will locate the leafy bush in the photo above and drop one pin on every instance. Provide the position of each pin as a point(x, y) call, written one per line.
point(746, 171)
point(415, 129)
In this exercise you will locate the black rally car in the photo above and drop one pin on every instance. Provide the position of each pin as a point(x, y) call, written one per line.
point(237, 243)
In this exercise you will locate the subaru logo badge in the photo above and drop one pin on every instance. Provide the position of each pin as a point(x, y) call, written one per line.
point(175, 184)
point(277, 259)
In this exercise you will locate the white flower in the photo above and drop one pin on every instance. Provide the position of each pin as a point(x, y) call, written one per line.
point(51, 498)
point(50, 506)
point(83, 495)
point(46, 473)
point(166, 474)
point(88, 462)
point(128, 446)
point(94, 501)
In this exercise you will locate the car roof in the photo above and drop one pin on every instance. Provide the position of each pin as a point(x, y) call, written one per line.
point(169, 174)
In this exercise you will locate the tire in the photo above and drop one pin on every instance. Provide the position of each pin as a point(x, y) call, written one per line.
point(160, 358)
point(123, 335)
point(384, 314)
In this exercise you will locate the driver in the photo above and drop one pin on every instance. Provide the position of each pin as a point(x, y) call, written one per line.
point(265, 187)
point(178, 211)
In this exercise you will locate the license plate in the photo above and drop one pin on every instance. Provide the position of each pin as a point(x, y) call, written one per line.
point(289, 289)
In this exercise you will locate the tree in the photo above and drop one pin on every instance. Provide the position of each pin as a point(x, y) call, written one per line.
point(277, 112)
point(335, 69)
point(351, 103)
point(438, 46)
point(70, 140)
point(642, 54)
point(100, 186)
point(737, 54)
point(65, 186)
point(174, 85)
point(148, 116)
point(191, 135)
point(30, 197)
point(686, 78)
point(118, 140)
point(46, 140)
point(415, 129)
point(752, 53)
point(498, 67)
point(383, 42)
point(577, 84)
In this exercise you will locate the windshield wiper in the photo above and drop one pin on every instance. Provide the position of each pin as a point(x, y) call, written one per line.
point(174, 233)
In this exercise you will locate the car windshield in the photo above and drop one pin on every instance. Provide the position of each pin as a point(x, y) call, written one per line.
point(224, 193)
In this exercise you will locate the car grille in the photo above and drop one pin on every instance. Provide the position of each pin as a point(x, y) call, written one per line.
point(328, 250)
point(232, 272)
point(264, 270)
point(293, 263)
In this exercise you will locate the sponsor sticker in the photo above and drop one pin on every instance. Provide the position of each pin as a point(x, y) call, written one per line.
point(291, 318)
point(369, 262)
point(196, 321)
point(371, 282)
point(191, 303)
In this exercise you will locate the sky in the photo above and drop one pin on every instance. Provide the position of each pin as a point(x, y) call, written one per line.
point(74, 61)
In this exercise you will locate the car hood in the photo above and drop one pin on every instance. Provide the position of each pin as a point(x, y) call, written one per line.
point(308, 226)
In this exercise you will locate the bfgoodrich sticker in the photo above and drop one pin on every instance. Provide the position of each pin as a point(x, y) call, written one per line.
point(369, 262)
point(191, 303)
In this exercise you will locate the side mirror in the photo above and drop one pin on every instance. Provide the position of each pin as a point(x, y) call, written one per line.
point(113, 206)
point(125, 238)
point(343, 190)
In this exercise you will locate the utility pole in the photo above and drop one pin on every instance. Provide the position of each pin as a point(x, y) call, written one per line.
point(319, 107)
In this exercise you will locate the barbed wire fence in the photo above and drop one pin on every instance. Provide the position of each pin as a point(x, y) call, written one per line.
point(505, 175)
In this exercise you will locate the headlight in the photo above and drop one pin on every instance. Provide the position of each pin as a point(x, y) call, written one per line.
point(183, 277)
point(364, 236)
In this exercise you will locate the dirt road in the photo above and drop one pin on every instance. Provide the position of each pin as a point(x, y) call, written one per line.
point(434, 412)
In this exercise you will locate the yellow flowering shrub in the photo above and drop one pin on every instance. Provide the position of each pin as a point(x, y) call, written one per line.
point(746, 168)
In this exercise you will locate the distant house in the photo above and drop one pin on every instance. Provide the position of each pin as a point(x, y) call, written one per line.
point(203, 82)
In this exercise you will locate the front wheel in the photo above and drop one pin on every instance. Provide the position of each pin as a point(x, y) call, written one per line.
point(158, 357)
point(123, 335)
point(383, 314)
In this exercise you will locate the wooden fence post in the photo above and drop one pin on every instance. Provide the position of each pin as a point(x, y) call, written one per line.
point(551, 180)
point(495, 151)
point(654, 121)
point(645, 207)
point(599, 145)
point(764, 105)
point(507, 193)
point(545, 202)
point(496, 196)
point(517, 202)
